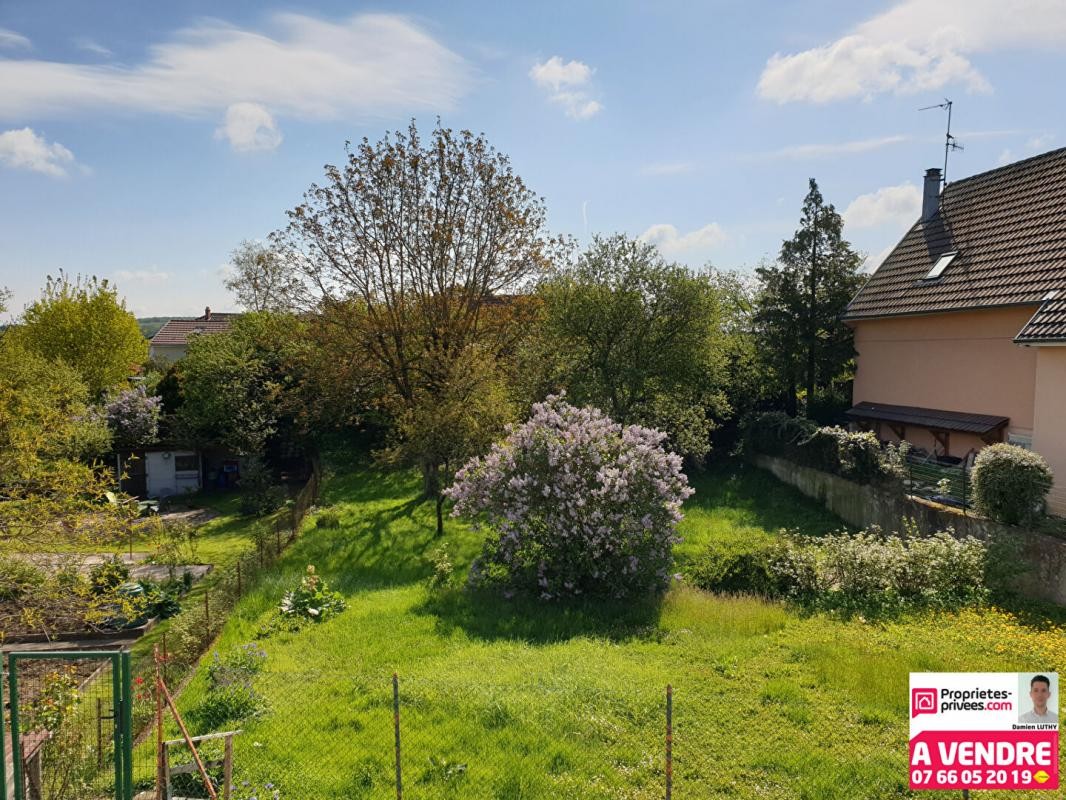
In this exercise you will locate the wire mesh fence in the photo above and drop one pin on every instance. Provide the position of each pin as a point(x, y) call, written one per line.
point(64, 728)
point(333, 735)
point(945, 483)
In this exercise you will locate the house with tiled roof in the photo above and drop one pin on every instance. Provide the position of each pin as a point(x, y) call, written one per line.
point(961, 331)
point(170, 342)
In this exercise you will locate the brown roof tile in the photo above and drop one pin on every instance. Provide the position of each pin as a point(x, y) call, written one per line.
point(1048, 324)
point(1009, 228)
point(177, 331)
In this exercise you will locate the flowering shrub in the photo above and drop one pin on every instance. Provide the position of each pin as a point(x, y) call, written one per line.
point(857, 456)
point(133, 417)
point(577, 504)
point(312, 599)
point(869, 571)
point(1010, 483)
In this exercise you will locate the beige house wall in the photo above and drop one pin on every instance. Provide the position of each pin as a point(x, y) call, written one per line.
point(962, 361)
point(1049, 436)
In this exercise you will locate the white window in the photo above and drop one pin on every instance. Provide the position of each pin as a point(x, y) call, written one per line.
point(941, 265)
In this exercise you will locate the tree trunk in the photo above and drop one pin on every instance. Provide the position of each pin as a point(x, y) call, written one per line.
point(432, 491)
point(812, 321)
point(790, 397)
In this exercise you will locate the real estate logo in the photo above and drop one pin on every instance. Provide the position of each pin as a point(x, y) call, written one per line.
point(984, 730)
point(923, 701)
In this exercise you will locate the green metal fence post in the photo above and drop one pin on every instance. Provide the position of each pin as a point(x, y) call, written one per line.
point(116, 732)
point(3, 749)
point(127, 726)
point(16, 749)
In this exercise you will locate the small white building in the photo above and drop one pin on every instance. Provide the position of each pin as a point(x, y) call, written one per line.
point(172, 472)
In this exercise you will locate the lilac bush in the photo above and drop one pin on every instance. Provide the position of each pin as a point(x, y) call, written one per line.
point(577, 505)
point(133, 416)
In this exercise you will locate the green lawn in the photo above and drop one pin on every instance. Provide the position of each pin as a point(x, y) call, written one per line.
point(515, 700)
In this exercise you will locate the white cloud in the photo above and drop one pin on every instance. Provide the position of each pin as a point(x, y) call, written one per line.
point(555, 73)
point(146, 277)
point(13, 40)
point(370, 65)
point(24, 148)
point(1040, 143)
point(1033, 146)
point(567, 85)
point(670, 240)
point(871, 263)
point(896, 205)
point(833, 149)
point(249, 127)
point(915, 46)
point(90, 46)
point(670, 168)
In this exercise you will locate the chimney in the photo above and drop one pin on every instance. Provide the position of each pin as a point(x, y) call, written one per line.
point(207, 311)
point(931, 195)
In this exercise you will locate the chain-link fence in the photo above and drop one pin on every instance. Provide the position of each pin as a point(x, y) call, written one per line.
point(65, 730)
point(333, 735)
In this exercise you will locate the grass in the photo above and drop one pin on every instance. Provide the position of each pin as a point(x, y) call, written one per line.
point(516, 700)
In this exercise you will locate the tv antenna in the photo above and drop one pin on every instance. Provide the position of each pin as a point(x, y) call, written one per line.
point(950, 143)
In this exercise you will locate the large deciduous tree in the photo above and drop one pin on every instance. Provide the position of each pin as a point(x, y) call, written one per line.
point(85, 324)
point(260, 280)
point(639, 338)
point(419, 251)
point(239, 386)
point(800, 301)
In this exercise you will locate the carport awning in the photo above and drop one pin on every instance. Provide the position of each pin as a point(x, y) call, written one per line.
point(934, 418)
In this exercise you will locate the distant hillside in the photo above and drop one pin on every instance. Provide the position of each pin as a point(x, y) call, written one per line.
point(151, 325)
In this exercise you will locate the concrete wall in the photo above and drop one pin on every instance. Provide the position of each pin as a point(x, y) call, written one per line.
point(964, 361)
point(863, 506)
point(1049, 427)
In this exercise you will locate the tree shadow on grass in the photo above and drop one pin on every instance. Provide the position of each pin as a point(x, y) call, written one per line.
point(488, 616)
point(762, 499)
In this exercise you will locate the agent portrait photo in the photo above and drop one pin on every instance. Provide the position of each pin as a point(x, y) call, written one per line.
point(1042, 704)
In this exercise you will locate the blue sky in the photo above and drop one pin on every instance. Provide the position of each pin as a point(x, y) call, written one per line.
point(143, 141)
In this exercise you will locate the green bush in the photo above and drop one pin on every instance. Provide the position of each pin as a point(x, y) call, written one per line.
point(1010, 484)
point(719, 569)
point(328, 518)
point(855, 456)
point(18, 578)
point(231, 694)
point(259, 494)
point(873, 573)
point(107, 576)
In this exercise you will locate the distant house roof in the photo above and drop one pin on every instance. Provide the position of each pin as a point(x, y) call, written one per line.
point(928, 417)
point(1008, 227)
point(178, 330)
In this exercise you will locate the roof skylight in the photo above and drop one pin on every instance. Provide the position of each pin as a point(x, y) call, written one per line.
point(941, 265)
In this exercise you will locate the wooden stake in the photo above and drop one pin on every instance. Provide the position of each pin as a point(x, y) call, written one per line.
point(188, 741)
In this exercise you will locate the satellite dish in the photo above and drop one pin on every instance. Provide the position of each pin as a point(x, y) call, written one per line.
point(166, 455)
